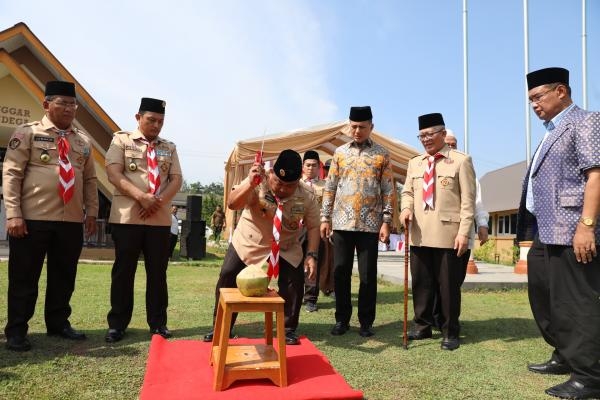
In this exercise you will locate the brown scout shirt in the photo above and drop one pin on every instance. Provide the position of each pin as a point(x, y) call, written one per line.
point(30, 185)
point(454, 199)
point(254, 233)
point(127, 150)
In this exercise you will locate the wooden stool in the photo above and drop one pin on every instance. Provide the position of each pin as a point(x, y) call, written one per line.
point(237, 361)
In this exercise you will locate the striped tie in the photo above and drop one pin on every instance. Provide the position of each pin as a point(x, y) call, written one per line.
point(273, 270)
point(66, 175)
point(429, 181)
point(153, 172)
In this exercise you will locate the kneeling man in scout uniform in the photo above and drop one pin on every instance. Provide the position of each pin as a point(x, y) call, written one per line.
point(49, 184)
point(253, 236)
point(145, 171)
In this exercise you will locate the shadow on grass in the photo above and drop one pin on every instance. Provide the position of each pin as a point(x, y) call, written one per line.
point(46, 348)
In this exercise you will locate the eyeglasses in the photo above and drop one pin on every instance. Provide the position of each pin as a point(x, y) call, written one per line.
point(424, 136)
point(538, 97)
point(64, 104)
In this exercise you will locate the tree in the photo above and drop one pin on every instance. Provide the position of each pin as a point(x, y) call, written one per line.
point(212, 196)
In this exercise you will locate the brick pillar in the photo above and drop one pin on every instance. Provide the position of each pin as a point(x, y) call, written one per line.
point(521, 266)
point(471, 266)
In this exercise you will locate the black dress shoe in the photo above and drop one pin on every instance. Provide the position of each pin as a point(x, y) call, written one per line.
point(366, 331)
point(114, 335)
point(340, 328)
point(162, 331)
point(209, 336)
point(450, 343)
point(420, 335)
point(291, 338)
point(550, 367)
point(573, 389)
point(18, 343)
point(68, 333)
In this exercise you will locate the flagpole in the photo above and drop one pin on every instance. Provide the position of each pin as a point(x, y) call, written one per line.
point(465, 78)
point(584, 53)
point(527, 108)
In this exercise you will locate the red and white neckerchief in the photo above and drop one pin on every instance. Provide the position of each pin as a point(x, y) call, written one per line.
point(273, 270)
point(429, 181)
point(153, 171)
point(66, 174)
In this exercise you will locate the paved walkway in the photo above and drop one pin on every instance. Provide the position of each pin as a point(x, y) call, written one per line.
point(390, 267)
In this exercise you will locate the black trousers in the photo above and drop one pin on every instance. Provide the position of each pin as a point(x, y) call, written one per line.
point(438, 316)
point(290, 282)
point(564, 298)
point(344, 245)
point(172, 244)
point(437, 269)
point(130, 241)
point(311, 289)
point(61, 242)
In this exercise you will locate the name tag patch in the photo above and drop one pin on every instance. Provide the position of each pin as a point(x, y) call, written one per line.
point(43, 139)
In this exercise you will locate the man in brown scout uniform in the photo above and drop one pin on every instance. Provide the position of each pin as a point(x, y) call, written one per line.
point(438, 200)
point(310, 178)
point(253, 236)
point(49, 185)
point(217, 223)
point(145, 171)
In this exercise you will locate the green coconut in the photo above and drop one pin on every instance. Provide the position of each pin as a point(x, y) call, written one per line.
point(252, 281)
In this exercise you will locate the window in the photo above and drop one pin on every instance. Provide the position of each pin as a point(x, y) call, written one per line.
point(507, 224)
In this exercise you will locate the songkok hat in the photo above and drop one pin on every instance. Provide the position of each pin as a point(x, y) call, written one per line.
point(359, 114)
point(288, 166)
point(153, 105)
point(429, 120)
point(450, 133)
point(327, 164)
point(546, 76)
point(60, 88)
point(311, 155)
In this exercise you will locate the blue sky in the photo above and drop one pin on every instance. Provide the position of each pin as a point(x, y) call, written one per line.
point(231, 69)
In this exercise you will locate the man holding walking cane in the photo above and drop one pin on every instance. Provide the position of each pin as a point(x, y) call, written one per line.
point(438, 201)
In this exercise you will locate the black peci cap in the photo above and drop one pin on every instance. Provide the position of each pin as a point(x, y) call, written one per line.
point(546, 76)
point(429, 120)
point(60, 88)
point(359, 114)
point(288, 166)
point(311, 155)
point(152, 105)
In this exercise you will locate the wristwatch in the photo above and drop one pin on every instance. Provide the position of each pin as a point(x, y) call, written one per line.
point(313, 254)
point(587, 221)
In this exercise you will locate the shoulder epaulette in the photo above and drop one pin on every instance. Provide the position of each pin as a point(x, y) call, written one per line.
point(32, 123)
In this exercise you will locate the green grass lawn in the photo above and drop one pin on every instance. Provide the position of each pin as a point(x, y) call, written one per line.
point(499, 338)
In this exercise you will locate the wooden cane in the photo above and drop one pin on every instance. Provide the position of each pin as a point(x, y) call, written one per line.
point(404, 328)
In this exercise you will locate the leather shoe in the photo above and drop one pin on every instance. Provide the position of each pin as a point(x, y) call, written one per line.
point(114, 335)
point(209, 336)
point(68, 333)
point(311, 307)
point(366, 331)
point(450, 343)
point(550, 367)
point(18, 343)
point(340, 328)
point(291, 338)
point(420, 335)
point(573, 389)
point(162, 331)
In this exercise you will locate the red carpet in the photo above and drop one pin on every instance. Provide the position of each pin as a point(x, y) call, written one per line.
point(179, 369)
